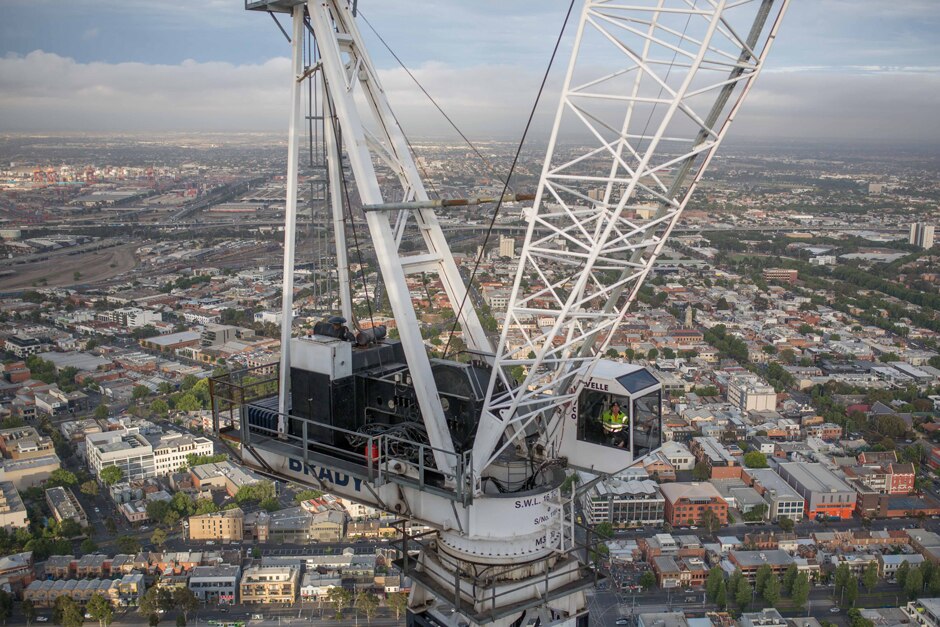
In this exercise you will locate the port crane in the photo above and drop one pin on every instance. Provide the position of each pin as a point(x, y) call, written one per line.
point(482, 449)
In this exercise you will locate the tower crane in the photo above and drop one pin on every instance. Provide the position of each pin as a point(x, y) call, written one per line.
point(480, 454)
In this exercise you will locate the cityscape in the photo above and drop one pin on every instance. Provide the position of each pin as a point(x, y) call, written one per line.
point(789, 323)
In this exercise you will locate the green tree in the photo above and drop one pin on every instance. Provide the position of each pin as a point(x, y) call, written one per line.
point(851, 592)
point(270, 504)
point(870, 577)
point(713, 582)
point(66, 612)
point(398, 601)
point(710, 521)
point(742, 594)
point(128, 544)
point(340, 598)
point(111, 475)
point(90, 488)
point(604, 530)
point(933, 586)
point(185, 601)
point(700, 472)
point(800, 593)
point(6, 606)
point(205, 506)
point(647, 580)
point(652, 354)
point(771, 592)
point(101, 412)
point(180, 620)
point(789, 578)
point(159, 407)
point(367, 603)
point(89, 546)
point(755, 459)
point(841, 577)
point(764, 573)
point(306, 495)
point(157, 510)
point(100, 609)
point(721, 596)
point(158, 537)
point(902, 572)
point(786, 524)
point(29, 611)
point(140, 392)
point(62, 477)
point(914, 584)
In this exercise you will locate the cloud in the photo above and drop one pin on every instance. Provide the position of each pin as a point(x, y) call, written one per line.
point(46, 92)
point(90, 34)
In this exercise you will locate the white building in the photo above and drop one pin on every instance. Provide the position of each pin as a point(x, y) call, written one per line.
point(140, 457)
point(750, 393)
point(172, 449)
point(678, 455)
point(921, 235)
point(507, 246)
point(124, 448)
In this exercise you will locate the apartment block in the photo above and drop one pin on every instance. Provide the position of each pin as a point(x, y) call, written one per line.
point(125, 448)
point(625, 503)
point(65, 506)
point(224, 526)
point(171, 450)
point(215, 584)
point(782, 499)
point(270, 584)
point(721, 463)
point(687, 502)
point(12, 511)
point(750, 393)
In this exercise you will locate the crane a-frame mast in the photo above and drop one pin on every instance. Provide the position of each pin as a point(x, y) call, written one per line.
point(651, 117)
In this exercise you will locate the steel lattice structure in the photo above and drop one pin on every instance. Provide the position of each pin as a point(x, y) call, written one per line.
point(675, 73)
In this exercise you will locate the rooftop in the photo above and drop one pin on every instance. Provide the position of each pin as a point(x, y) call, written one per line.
point(815, 477)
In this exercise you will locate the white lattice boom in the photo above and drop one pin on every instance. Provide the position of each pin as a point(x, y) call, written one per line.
point(651, 89)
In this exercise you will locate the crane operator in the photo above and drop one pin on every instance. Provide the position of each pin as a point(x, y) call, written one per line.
point(615, 423)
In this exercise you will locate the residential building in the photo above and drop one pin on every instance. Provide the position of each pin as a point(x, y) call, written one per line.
point(888, 564)
point(328, 526)
point(750, 393)
point(316, 586)
point(125, 448)
point(171, 450)
point(269, 584)
point(507, 246)
point(921, 235)
point(225, 526)
point(781, 274)
point(12, 511)
point(625, 503)
point(141, 457)
point(28, 473)
point(924, 612)
point(783, 500)
point(679, 572)
point(826, 494)
point(223, 476)
point(16, 571)
point(65, 506)
point(767, 617)
point(678, 455)
point(292, 525)
point(123, 592)
point(749, 561)
point(25, 443)
point(719, 460)
point(215, 584)
point(687, 502)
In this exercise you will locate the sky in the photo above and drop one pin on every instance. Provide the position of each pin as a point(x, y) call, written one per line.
point(866, 70)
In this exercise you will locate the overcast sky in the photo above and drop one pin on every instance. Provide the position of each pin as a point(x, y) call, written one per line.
point(841, 69)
